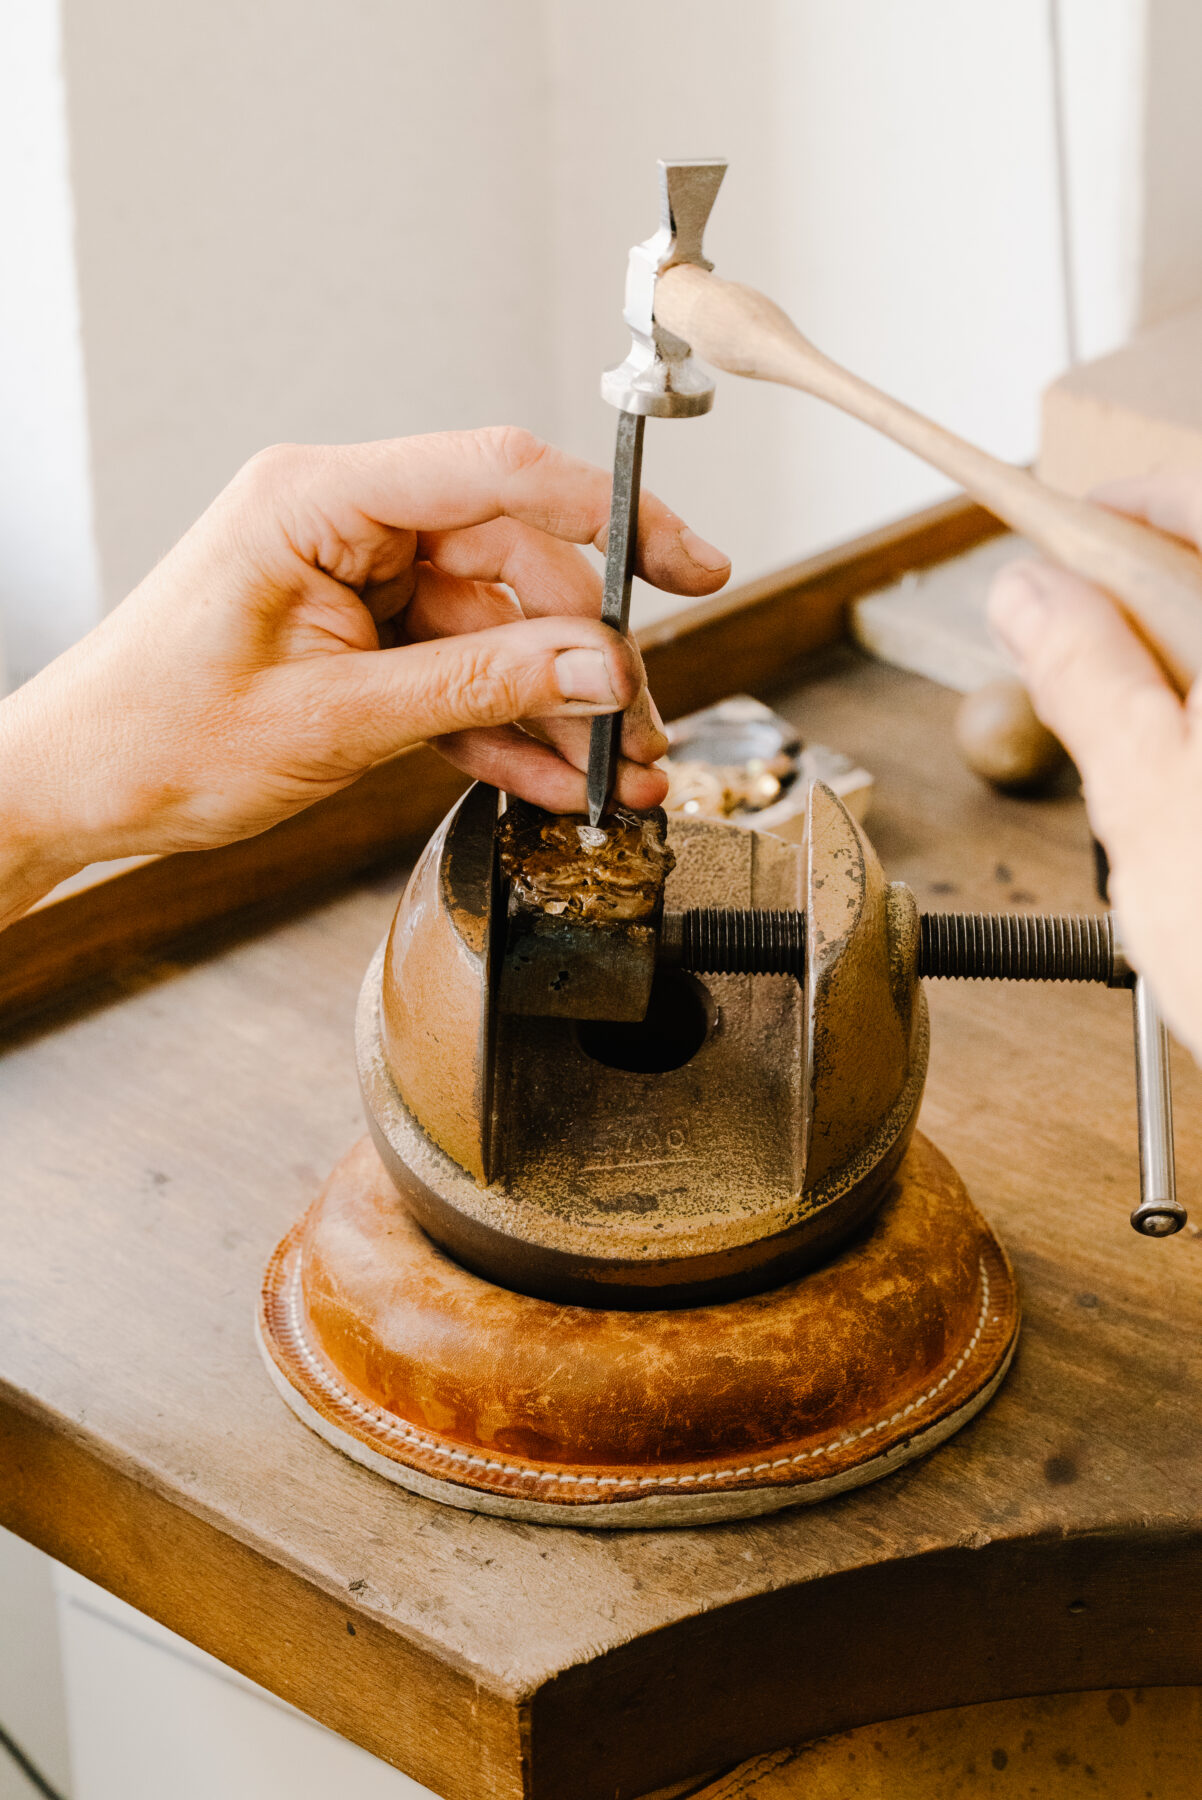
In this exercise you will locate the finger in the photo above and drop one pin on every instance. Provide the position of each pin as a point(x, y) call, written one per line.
point(1168, 499)
point(384, 600)
point(547, 575)
point(506, 757)
point(374, 703)
point(341, 507)
point(643, 737)
point(445, 606)
point(1092, 680)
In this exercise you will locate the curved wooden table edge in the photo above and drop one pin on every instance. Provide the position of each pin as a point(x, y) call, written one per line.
point(948, 1627)
point(328, 1655)
point(1053, 1613)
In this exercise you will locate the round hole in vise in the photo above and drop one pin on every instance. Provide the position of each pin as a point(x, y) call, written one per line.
point(679, 1019)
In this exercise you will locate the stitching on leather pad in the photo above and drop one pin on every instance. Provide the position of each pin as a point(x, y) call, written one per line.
point(286, 1331)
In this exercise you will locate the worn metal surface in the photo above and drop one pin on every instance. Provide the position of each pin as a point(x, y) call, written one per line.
point(436, 1017)
point(867, 1037)
point(980, 947)
point(733, 1139)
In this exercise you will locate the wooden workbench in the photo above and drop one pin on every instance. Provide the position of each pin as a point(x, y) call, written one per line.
point(159, 1139)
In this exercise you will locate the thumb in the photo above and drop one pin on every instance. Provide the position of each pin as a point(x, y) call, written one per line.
point(555, 667)
point(1093, 682)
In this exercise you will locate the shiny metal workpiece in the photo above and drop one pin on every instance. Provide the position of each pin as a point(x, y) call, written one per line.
point(582, 923)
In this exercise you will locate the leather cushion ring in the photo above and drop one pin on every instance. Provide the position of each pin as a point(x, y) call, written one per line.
point(493, 1400)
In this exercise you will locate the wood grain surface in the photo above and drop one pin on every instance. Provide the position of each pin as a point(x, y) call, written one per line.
point(1133, 1744)
point(159, 1141)
point(700, 654)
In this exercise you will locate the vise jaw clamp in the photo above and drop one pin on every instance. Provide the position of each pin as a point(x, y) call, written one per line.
point(553, 1140)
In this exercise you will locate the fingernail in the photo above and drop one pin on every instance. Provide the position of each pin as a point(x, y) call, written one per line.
point(1017, 610)
point(703, 554)
point(584, 675)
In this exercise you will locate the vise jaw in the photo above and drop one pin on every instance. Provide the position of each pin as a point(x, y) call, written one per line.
point(735, 1136)
point(585, 907)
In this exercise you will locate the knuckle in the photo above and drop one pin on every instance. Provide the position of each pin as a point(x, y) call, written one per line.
point(515, 447)
point(278, 469)
point(480, 690)
point(276, 460)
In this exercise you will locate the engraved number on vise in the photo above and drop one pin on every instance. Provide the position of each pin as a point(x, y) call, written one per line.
point(626, 1145)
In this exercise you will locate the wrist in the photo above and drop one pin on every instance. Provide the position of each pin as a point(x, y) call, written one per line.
point(36, 851)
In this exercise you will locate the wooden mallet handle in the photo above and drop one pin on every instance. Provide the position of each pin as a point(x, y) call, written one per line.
point(1156, 580)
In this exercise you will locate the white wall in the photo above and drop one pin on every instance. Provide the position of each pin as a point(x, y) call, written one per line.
point(348, 218)
point(1170, 259)
point(1102, 73)
point(309, 219)
point(891, 184)
point(695, 85)
point(920, 242)
point(49, 590)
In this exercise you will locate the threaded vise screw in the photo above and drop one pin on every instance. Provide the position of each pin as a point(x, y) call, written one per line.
point(716, 940)
point(1020, 947)
point(713, 940)
point(974, 947)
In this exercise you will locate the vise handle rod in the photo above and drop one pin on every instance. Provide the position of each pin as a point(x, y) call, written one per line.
point(1156, 579)
point(975, 946)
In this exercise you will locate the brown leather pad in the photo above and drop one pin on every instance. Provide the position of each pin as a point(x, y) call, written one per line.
point(494, 1400)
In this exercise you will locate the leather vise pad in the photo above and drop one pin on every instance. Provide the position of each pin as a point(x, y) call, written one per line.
point(488, 1399)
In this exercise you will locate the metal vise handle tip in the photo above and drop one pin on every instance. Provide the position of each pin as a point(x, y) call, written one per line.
point(1159, 1213)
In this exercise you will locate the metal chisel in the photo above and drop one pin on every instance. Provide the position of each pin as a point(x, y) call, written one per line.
point(658, 379)
point(606, 737)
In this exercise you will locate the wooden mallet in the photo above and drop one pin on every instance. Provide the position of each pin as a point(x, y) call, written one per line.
point(1156, 580)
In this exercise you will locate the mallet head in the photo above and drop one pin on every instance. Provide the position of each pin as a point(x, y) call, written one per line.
point(659, 376)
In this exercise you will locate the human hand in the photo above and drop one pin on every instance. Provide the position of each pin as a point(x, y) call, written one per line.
point(1137, 745)
point(333, 606)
